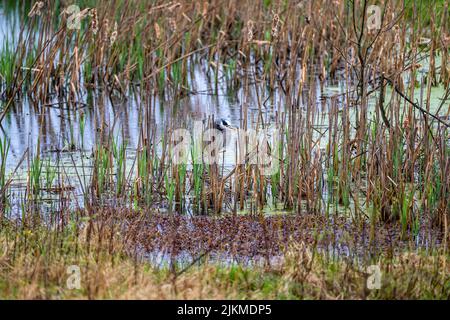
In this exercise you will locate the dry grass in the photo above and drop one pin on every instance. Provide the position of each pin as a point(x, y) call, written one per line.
point(389, 166)
point(34, 269)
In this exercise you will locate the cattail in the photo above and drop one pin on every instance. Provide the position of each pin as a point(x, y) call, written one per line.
point(157, 31)
point(94, 22)
point(250, 25)
point(105, 30)
point(275, 25)
point(397, 32)
point(36, 9)
point(173, 24)
point(114, 34)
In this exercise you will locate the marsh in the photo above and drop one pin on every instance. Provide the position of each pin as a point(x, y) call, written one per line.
point(274, 145)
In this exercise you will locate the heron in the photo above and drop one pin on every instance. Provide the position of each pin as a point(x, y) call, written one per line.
point(224, 127)
point(223, 124)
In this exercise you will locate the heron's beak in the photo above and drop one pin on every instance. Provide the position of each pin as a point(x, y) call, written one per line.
point(231, 127)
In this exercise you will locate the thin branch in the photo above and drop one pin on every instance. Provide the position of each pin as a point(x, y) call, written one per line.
point(415, 105)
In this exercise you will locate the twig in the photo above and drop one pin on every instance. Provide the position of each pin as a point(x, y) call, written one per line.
point(425, 112)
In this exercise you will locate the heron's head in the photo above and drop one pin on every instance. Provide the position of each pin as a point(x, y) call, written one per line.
point(223, 124)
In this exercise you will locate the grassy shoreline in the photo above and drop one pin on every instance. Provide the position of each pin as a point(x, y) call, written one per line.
point(99, 167)
point(33, 265)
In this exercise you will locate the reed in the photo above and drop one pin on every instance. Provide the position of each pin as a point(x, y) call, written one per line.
point(373, 153)
point(4, 150)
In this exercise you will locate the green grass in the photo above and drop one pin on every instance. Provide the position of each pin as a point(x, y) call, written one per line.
point(109, 273)
point(119, 153)
point(7, 64)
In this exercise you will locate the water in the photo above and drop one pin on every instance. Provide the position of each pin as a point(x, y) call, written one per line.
point(56, 128)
